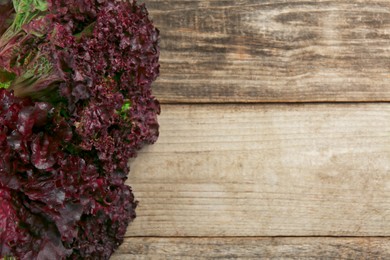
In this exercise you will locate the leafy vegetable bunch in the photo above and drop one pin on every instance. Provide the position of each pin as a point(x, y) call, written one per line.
point(75, 105)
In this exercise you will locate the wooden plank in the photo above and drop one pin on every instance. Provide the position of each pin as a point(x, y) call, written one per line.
point(273, 50)
point(266, 170)
point(254, 248)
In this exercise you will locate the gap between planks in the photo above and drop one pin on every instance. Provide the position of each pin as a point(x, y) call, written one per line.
point(250, 237)
point(237, 103)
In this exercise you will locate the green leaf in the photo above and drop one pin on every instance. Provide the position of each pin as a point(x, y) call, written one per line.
point(26, 10)
point(126, 106)
point(5, 84)
point(6, 78)
point(125, 109)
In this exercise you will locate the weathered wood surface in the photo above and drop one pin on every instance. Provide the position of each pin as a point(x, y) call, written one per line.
point(254, 248)
point(248, 173)
point(266, 170)
point(273, 50)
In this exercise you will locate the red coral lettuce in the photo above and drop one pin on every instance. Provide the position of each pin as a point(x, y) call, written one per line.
point(78, 106)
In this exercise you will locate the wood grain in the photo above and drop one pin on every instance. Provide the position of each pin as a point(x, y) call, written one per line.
point(254, 248)
point(266, 170)
point(273, 50)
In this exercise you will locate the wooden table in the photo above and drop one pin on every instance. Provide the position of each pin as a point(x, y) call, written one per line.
point(275, 133)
